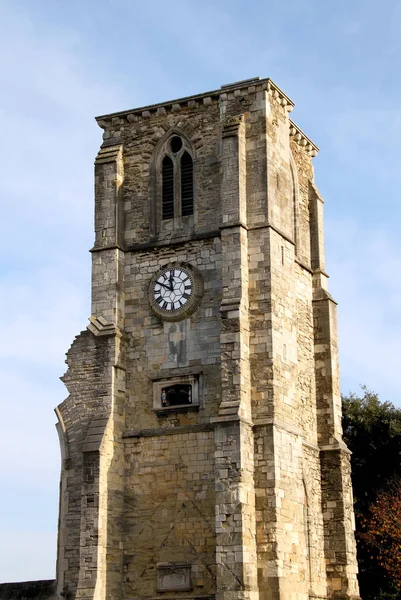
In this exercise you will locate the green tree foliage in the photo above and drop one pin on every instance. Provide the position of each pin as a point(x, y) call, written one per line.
point(372, 431)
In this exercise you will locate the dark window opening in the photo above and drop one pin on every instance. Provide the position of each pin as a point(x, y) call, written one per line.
point(175, 395)
point(187, 185)
point(176, 144)
point(168, 188)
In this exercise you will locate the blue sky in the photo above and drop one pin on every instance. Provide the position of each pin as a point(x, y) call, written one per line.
point(62, 63)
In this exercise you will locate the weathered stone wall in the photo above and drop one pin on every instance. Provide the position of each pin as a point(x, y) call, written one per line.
point(88, 390)
point(246, 494)
point(157, 349)
point(141, 139)
point(90, 435)
point(169, 510)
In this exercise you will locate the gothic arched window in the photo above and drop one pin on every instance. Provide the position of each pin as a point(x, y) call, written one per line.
point(177, 174)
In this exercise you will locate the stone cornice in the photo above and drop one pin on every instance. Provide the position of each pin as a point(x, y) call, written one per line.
point(302, 140)
point(226, 92)
point(99, 326)
point(108, 154)
point(229, 91)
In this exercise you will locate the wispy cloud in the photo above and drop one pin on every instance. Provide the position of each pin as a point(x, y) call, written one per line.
point(44, 306)
point(29, 452)
point(364, 265)
point(49, 142)
point(63, 63)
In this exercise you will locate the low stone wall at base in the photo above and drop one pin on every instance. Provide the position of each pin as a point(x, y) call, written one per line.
point(44, 589)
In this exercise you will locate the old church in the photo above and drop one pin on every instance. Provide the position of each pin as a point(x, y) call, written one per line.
point(202, 452)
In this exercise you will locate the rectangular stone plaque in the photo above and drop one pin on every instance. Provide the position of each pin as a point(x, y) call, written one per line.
point(174, 577)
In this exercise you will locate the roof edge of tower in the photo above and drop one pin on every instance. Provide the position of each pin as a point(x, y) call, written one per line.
point(302, 139)
point(238, 88)
point(244, 84)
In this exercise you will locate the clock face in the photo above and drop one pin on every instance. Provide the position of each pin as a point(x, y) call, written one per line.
point(173, 289)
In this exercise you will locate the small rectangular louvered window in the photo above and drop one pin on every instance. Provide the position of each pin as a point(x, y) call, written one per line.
point(187, 185)
point(168, 188)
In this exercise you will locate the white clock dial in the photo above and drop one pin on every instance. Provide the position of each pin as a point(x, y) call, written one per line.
point(173, 289)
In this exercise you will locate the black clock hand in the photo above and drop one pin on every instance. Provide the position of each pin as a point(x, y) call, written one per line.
point(165, 286)
point(171, 282)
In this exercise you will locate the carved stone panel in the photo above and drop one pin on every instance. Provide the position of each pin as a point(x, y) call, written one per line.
point(174, 577)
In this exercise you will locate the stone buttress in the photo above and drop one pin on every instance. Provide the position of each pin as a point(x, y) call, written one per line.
point(240, 489)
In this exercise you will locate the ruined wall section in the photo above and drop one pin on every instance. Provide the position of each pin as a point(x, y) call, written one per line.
point(92, 417)
point(86, 420)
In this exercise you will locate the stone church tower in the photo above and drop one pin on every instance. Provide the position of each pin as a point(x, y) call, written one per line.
point(201, 438)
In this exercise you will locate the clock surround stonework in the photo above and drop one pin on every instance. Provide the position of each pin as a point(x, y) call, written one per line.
point(190, 291)
point(249, 496)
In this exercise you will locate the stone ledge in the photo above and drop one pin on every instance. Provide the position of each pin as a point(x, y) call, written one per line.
point(115, 121)
point(138, 433)
point(111, 247)
point(195, 597)
point(99, 326)
point(261, 422)
point(340, 448)
point(302, 140)
point(165, 411)
point(321, 295)
point(226, 92)
point(303, 265)
point(143, 247)
point(94, 436)
point(108, 154)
